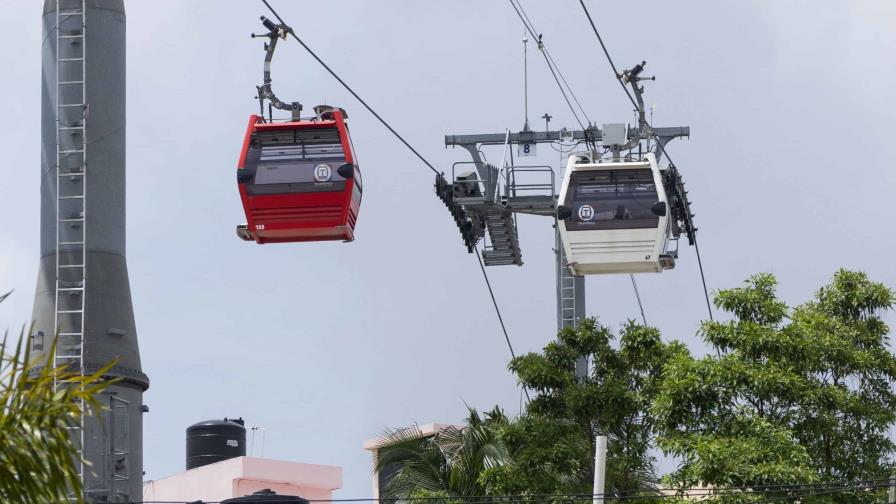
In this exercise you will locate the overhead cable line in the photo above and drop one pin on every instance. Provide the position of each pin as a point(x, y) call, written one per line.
point(350, 90)
point(638, 296)
point(650, 128)
point(520, 12)
point(498, 311)
point(427, 163)
point(795, 491)
point(530, 26)
point(830, 491)
point(702, 277)
point(552, 65)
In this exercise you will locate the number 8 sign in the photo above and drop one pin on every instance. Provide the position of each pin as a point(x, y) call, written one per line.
point(526, 149)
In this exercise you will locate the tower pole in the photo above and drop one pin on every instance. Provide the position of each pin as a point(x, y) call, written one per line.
point(83, 293)
point(536, 199)
point(570, 298)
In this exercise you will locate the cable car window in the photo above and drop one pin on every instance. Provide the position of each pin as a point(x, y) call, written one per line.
point(612, 199)
point(295, 162)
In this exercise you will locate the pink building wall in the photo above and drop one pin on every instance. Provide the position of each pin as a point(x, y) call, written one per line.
point(241, 476)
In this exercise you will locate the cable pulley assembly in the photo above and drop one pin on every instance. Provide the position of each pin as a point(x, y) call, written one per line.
point(275, 33)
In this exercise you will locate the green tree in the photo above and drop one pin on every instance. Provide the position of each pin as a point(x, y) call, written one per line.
point(37, 453)
point(552, 444)
point(791, 396)
point(449, 463)
point(851, 372)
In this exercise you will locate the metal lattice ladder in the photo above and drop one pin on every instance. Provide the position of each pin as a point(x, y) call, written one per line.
point(566, 291)
point(570, 299)
point(71, 201)
point(570, 302)
point(504, 246)
point(119, 427)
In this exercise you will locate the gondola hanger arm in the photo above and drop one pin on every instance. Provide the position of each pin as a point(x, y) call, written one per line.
point(275, 33)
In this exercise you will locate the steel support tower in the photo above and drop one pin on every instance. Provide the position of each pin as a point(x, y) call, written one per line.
point(83, 294)
point(488, 191)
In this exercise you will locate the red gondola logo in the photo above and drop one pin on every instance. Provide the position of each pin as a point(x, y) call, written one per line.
point(322, 173)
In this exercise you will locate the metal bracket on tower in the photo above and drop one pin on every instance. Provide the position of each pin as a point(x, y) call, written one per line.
point(542, 200)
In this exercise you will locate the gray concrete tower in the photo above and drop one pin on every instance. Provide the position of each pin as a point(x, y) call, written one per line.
point(82, 285)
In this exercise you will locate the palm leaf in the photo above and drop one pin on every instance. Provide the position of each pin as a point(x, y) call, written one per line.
point(449, 463)
point(37, 453)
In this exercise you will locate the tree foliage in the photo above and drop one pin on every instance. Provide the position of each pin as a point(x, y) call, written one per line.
point(552, 445)
point(37, 453)
point(789, 404)
point(792, 395)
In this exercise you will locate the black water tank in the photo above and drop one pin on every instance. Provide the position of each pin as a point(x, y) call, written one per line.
point(215, 440)
point(266, 497)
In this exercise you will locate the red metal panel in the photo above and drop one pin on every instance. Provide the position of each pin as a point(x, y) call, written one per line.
point(300, 217)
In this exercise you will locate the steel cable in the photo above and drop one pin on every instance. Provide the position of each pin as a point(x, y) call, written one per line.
point(650, 128)
point(350, 90)
point(520, 12)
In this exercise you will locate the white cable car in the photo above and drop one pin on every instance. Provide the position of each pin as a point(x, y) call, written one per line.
point(614, 217)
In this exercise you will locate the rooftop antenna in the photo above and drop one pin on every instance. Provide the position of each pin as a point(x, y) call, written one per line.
point(255, 428)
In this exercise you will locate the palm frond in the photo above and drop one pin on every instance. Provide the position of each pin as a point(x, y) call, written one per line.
point(449, 462)
point(37, 452)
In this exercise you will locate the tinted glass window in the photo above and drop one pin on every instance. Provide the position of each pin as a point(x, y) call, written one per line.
point(296, 171)
point(612, 199)
point(295, 161)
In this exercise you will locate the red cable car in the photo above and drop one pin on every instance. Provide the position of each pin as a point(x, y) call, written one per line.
point(298, 180)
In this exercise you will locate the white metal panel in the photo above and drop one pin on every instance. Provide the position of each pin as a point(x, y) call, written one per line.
point(607, 251)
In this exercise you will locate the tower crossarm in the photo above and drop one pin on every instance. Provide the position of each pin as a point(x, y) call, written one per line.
point(591, 134)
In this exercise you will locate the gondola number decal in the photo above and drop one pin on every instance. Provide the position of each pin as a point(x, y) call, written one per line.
point(322, 173)
point(586, 212)
point(526, 149)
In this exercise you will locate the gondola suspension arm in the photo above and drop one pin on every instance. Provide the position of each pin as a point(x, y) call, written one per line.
point(275, 32)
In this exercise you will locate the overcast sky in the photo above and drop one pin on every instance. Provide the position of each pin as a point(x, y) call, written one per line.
point(790, 167)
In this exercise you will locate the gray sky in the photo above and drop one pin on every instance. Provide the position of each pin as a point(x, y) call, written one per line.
point(790, 167)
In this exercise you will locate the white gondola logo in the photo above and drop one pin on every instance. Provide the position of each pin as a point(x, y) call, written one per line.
point(586, 212)
point(322, 173)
